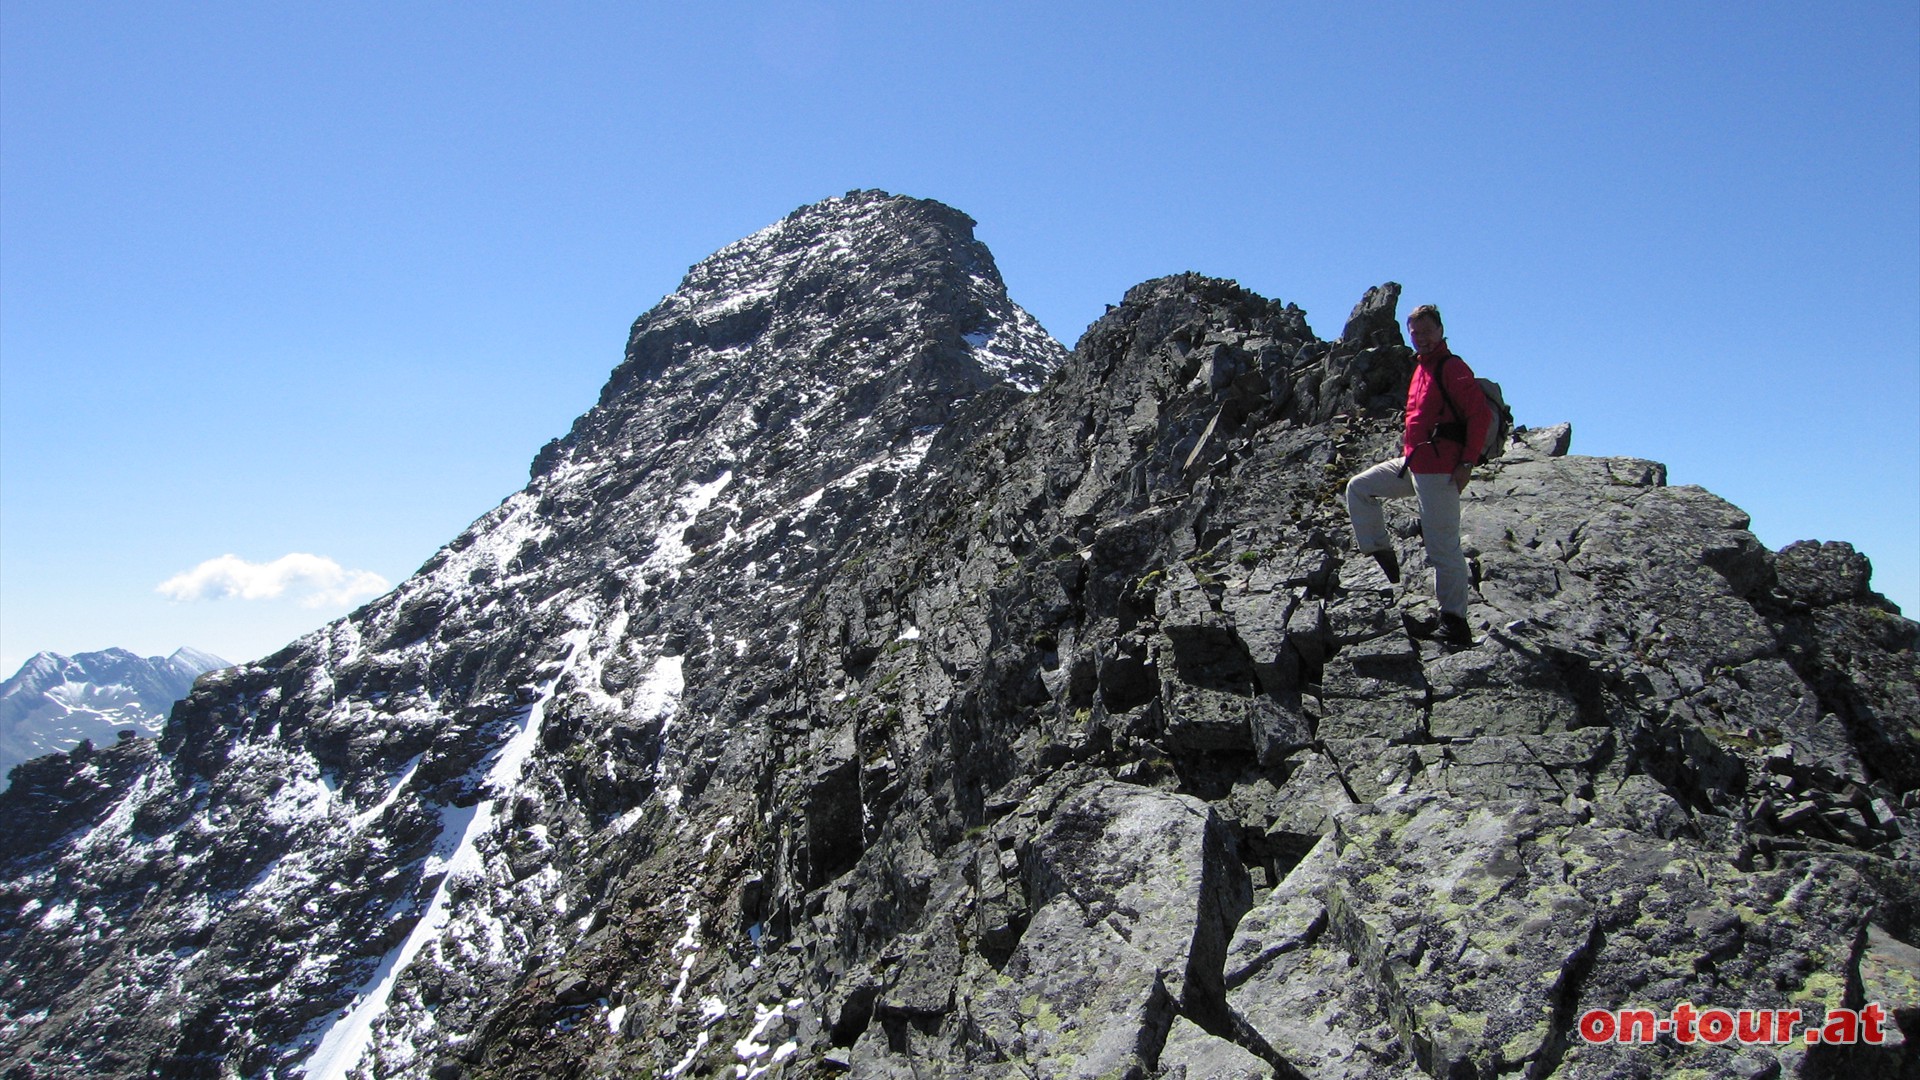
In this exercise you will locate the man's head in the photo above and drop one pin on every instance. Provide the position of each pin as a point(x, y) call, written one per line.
point(1426, 329)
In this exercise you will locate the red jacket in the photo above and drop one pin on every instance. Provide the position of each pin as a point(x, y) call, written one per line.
point(1427, 409)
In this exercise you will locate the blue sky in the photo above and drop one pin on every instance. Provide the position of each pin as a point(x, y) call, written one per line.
point(300, 279)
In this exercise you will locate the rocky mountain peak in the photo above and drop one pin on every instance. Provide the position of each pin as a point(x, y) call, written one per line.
point(829, 703)
point(873, 312)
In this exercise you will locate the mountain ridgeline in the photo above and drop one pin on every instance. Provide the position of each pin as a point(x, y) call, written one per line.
point(55, 702)
point(866, 686)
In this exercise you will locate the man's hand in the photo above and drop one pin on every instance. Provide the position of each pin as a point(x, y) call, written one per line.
point(1462, 473)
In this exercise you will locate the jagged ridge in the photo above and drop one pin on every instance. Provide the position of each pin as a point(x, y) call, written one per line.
point(1067, 739)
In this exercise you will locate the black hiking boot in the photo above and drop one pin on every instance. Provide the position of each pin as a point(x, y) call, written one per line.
point(1389, 564)
point(1455, 631)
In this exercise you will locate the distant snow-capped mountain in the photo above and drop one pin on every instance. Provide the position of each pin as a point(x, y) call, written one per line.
point(55, 701)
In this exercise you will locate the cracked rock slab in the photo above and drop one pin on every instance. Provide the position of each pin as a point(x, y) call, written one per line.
point(1461, 917)
point(1193, 1054)
point(1134, 892)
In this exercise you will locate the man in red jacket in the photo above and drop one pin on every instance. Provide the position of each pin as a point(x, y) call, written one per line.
point(1446, 414)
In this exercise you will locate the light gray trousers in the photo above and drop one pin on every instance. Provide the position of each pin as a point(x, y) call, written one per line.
point(1439, 523)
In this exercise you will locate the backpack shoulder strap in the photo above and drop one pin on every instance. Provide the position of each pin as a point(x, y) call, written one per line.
point(1440, 379)
point(1460, 418)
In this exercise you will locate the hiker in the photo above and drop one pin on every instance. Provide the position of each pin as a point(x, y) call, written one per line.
point(1434, 467)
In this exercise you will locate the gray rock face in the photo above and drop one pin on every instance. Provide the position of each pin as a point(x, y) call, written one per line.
point(848, 695)
point(54, 702)
point(372, 836)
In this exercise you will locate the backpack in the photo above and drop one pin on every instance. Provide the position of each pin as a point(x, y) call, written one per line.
point(1499, 432)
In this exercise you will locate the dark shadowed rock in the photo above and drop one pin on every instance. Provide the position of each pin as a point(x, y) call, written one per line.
point(1374, 321)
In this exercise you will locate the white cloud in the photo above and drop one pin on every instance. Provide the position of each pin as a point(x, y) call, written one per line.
point(316, 581)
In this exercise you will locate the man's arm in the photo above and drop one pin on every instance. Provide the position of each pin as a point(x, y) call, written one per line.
point(1423, 410)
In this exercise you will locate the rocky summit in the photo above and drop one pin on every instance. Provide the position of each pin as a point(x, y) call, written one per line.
point(866, 686)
